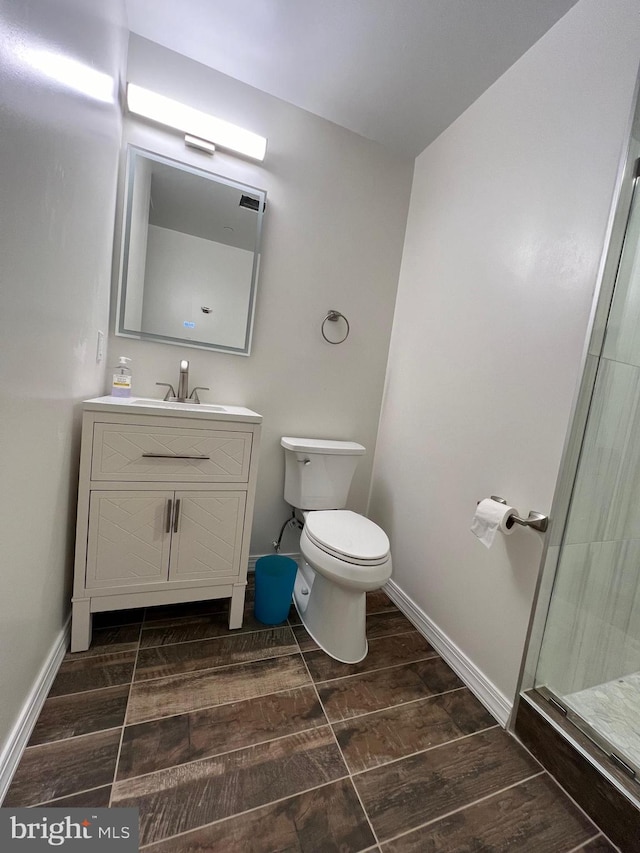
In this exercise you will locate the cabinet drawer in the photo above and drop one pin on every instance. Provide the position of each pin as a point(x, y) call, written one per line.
point(133, 452)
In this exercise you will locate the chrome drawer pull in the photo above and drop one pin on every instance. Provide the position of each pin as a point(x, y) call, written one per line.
point(169, 503)
point(173, 456)
point(176, 516)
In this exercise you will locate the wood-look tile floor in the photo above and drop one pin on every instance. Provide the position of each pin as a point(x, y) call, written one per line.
point(256, 741)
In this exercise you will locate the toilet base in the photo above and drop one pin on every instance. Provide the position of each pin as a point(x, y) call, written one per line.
point(334, 616)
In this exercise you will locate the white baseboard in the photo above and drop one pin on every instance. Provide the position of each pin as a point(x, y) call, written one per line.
point(21, 732)
point(493, 700)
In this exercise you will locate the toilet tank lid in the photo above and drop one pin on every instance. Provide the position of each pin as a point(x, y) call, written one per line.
point(322, 445)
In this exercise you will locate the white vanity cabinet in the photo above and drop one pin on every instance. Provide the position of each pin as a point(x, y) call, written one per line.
point(165, 505)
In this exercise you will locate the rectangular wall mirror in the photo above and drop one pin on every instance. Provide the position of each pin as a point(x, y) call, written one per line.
point(190, 255)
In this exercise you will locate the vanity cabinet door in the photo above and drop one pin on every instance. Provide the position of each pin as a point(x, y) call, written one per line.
point(129, 540)
point(206, 535)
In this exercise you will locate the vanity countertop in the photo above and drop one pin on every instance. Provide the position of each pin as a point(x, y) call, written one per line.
point(150, 406)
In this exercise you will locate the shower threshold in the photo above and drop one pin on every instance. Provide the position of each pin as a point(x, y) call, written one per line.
point(609, 714)
point(610, 727)
point(582, 767)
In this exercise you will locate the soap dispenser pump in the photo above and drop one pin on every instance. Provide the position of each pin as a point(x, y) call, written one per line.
point(121, 385)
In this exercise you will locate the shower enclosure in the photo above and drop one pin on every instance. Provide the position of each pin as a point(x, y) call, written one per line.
point(590, 654)
point(584, 649)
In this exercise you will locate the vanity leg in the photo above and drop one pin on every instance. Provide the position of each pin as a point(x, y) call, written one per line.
point(81, 619)
point(236, 608)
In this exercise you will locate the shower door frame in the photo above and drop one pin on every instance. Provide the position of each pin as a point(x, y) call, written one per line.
point(624, 762)
point(627, 187)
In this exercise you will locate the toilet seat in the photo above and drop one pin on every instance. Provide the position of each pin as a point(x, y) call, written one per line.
point(348, 537)
point(345, 574)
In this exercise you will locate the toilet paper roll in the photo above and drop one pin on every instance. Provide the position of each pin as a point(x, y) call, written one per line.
point(491, 516)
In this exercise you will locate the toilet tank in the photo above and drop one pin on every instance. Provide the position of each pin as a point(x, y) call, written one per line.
point(318, 472)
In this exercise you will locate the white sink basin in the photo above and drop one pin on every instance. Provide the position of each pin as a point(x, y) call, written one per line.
point(174, 404)
point(142, 405)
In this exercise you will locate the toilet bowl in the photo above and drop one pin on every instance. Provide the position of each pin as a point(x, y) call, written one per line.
point(344, 554)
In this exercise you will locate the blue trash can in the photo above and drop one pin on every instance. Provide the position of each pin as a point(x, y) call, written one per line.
point(275, 576)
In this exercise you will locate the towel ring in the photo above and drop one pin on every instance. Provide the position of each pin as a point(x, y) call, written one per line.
point(333, 317)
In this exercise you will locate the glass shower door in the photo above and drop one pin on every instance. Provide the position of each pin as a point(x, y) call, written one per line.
point(590, 657)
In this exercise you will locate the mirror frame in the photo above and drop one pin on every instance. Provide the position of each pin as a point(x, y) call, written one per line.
point(133, 152)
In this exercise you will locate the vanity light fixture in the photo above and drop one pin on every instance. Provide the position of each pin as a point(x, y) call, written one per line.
point(199, 126)
point(199, 144)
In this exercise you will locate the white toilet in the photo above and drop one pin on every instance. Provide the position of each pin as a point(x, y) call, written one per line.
point(345, 554)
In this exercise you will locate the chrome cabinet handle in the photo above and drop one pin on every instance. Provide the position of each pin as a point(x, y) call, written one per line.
point(173, 456)
point(176, 516)
point(169, 505)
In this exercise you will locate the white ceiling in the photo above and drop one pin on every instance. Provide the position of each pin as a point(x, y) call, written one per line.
point(396, 71)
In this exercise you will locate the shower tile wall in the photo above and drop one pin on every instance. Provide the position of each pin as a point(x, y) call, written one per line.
point(605, 502)
point(594, 617)
point(595, 614)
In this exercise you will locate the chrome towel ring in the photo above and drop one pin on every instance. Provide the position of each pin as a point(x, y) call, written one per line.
point(333, 317)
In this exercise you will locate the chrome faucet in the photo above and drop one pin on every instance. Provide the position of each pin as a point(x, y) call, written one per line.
point(183, 382)
point(183, 395)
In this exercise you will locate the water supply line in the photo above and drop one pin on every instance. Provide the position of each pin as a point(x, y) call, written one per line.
point(290, 522)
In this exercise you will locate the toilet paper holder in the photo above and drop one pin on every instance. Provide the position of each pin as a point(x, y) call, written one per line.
point(535, 520)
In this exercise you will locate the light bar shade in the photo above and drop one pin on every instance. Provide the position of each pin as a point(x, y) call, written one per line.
point(188, 120)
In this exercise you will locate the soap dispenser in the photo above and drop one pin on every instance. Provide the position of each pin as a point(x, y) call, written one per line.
point(121, 385)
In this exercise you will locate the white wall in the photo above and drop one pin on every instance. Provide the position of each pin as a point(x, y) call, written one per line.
point(57, 184)
point(332, 238)
point(184, 272)
point(506, 228)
